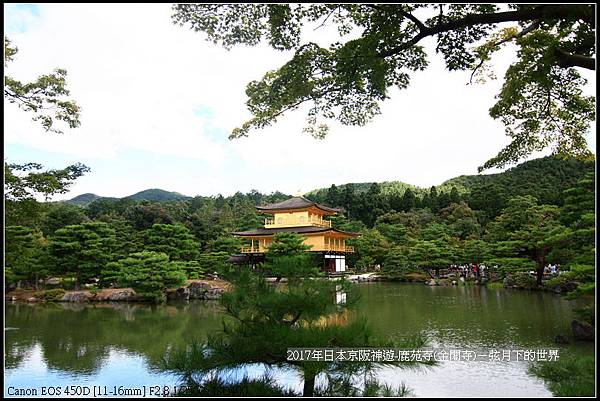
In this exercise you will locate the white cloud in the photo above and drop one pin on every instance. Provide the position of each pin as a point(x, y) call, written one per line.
point(139, 78)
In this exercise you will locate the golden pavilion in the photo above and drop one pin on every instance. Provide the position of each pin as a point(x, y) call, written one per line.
point(307, 218)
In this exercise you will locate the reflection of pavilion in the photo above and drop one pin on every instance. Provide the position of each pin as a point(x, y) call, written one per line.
point(340, 296)
point(302, 216)
point(335, 319)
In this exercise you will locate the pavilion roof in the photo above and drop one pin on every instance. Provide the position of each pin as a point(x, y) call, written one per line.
point(299, 230)
point(297, 202)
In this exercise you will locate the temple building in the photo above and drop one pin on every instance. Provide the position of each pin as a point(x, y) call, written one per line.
point(302, 216)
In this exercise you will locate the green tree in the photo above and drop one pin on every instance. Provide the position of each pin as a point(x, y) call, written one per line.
point(454, 195)
point(60, 215)
point(348, 198)
point(579, 200)
point(265, 320)
point(432, 200)
point(475, 251)
point(390, 226)
point(434, 254)
point(45, 97)
point(287, 244)
point(128, 240)
point(226, 244)
point(148, 273)
point(214, 262)
point(462, 220)
point(193, 269)
point(145, 214)
point(409, 200)
point(396, 263)
point(372, 244)
point(174, 240)
point(287, 253)
point(25, 255)
point(532, 230)
point(83, 249)
point(333, 196)
point(19, 186)
point(541, 102)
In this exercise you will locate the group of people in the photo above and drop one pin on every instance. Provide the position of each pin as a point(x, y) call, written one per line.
point(552, 269)
point(470, 270)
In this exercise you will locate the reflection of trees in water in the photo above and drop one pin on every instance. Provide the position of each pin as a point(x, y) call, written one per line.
point(335, 319)
point(78, 338)
point(14, 356)
point(465, 314)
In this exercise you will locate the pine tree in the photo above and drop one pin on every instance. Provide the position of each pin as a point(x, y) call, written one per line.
point(148, 273)
point(174, 240)
point(264, 320)
point(333, 196)
point(408, 200)
point(83, 249)
point(25, 255)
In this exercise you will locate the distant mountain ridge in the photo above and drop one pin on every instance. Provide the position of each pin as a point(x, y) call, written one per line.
point(154, 195)
point(542, 177)
point(157, 195)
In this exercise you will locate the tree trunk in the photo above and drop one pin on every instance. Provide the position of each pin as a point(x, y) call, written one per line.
point(309, 385)
point(541, 263)
point(540, 274)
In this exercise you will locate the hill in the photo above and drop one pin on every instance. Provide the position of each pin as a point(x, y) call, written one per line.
point(157, 195)
point(544, 178)
point(154, 195)
point(85, 199)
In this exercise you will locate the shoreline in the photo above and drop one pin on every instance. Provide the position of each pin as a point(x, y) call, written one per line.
point(212, 290)
point(193, 289)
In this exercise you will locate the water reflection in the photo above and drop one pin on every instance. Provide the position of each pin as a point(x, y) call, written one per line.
point(123, 344)
point(79, 338)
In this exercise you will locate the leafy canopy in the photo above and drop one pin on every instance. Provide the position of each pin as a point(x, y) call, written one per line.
point(44, 97)
point(541, 102)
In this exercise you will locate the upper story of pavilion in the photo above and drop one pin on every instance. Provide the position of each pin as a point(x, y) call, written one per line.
point(297, 212)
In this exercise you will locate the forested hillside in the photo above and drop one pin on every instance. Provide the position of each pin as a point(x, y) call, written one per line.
point(155, 195)
point(545, 178)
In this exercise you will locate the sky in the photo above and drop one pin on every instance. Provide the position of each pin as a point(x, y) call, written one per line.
point(159, 101)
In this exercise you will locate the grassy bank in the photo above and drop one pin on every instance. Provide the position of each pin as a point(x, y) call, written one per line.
point(571, 376)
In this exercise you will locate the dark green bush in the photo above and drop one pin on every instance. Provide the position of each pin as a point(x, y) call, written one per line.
point(53, 295)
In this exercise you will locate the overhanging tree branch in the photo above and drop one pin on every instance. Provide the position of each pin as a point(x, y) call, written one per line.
point(566, 60)
point(583, 12)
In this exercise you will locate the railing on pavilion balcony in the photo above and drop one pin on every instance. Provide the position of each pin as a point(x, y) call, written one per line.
point(326, 247)
point(251, 249)
point(296, 222)
point(338, 248)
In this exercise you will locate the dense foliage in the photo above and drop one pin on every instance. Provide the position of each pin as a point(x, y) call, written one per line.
point(537, 213)
point(149, 273)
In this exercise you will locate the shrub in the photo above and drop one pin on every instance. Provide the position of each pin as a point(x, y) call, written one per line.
point(586, 313)
point(522, 280)
point(53, 295)
point(569, 376)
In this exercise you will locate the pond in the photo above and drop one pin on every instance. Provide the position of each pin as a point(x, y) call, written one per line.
point(122, 344)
